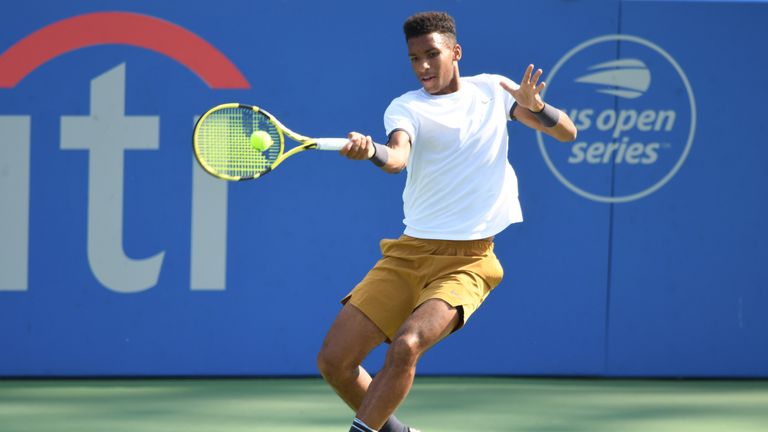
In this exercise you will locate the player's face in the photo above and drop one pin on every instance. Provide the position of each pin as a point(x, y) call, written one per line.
point(434, 59)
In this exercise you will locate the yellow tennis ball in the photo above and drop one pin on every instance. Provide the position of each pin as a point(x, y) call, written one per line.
point(260, 140)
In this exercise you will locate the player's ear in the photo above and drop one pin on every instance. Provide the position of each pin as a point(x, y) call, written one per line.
point(456, 52)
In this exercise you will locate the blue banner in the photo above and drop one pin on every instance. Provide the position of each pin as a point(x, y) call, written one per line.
point(642, 252)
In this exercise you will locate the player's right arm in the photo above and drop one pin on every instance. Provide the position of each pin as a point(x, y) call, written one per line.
point(399, 148)
point(361, 147)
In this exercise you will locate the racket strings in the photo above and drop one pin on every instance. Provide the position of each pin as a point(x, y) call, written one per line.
point(224, 142)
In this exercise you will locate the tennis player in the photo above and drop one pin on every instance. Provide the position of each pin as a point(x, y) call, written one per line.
point(460, 191)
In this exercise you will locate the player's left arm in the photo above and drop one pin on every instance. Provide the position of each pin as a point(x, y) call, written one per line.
point(531, 110)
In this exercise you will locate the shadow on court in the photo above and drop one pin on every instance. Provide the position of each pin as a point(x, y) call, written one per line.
point(435, 404)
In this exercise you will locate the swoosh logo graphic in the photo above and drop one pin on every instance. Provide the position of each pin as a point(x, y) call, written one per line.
point(627, 78)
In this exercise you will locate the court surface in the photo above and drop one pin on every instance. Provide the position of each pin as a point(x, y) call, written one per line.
point(435, 404)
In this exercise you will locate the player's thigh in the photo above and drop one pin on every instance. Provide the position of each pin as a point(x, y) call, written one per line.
point(351, 337)
point(432, 321)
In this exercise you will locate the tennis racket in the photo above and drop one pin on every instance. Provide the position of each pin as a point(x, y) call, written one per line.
point(223, 142)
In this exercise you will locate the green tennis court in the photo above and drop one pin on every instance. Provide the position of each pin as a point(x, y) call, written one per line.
point(435, 404)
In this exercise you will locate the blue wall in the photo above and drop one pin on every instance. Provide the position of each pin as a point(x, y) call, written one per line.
point(643, 252)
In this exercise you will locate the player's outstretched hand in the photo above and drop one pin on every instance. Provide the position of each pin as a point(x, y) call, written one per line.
point(527, 93)
point(359, 147)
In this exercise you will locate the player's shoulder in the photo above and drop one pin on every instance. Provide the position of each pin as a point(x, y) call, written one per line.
point(484, 77)
point(487, 81)
point(405, 100)
point(408, 96)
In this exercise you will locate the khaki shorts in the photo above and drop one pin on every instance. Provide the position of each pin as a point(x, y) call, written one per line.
point(412, 271)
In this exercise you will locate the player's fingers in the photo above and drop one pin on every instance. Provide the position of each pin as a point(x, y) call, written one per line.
point(354, 150)
point(536, 76)
point(540, 87)
point(354, 138)
point(354, 153)
point(349, 147)
point(357, 147)
point(527, 74)
point(359, 154)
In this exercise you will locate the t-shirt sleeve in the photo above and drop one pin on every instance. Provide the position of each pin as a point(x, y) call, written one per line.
point(509, 100)
point(399, 117)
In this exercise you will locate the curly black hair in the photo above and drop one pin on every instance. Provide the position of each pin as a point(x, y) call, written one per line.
point(429, 22)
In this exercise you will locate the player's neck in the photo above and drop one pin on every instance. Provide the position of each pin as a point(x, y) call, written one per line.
point(453, 86)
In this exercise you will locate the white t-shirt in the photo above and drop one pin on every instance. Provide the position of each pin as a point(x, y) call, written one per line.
point(460, 185)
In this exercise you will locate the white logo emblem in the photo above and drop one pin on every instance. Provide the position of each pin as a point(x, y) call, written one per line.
point(628, 78)
point(635, 112)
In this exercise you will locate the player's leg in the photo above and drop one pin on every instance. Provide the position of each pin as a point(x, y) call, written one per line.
point(374, 310)
point(429, 323)
point(350, 339)
point(461, 275)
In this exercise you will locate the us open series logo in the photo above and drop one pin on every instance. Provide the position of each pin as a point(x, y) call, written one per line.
point(635, 112)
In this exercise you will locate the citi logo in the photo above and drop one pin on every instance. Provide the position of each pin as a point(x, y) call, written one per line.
point(105, 135)
point(635, 112)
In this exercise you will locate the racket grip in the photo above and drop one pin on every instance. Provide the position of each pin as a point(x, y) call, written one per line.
point(331, 143)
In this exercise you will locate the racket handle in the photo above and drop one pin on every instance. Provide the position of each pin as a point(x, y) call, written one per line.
point(330, 143)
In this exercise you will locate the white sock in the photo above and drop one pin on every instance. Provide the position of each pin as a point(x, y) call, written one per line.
point(360, 426)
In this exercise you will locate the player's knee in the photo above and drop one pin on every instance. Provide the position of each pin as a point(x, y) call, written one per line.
point(331, 365)
point(326, 363)
point(406, 350)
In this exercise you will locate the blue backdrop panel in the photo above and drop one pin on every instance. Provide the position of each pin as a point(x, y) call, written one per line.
point(119, 257)
point(688, 282)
